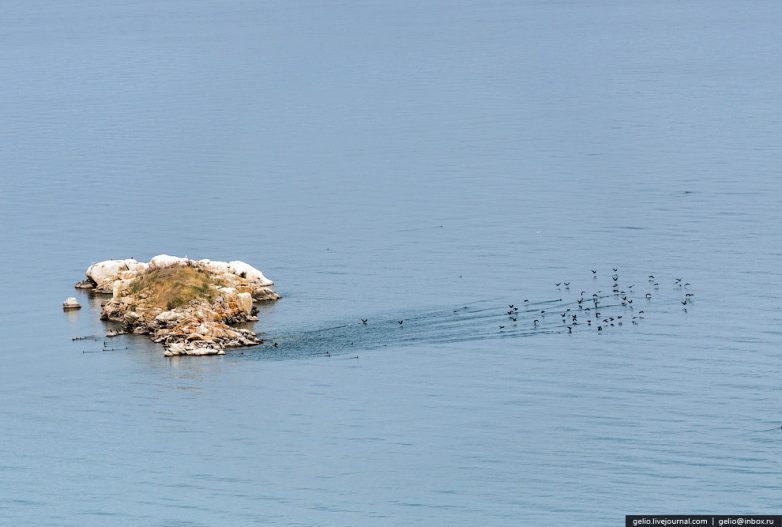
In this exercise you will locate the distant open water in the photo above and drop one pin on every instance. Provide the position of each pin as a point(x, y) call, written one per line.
point(396, 161)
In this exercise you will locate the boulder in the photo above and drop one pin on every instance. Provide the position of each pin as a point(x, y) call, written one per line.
point(249, 272)
point(164, 260)
point(71, 303)
point(105, 273)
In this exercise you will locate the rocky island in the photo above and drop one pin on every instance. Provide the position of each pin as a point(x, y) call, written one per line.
point(189, 306)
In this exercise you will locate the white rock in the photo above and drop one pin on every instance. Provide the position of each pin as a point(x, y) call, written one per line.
point(138, 267)
point(180, 348)
point(164, 260)
point(71, 303)
point(250, 272)
point(104, 273)
point(215, 267)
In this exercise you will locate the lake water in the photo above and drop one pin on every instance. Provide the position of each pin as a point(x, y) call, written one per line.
point(396, 161)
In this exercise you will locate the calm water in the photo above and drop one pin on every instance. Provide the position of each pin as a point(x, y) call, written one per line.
point(395, 160)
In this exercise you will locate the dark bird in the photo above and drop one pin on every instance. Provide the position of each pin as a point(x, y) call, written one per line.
point(615, 269)
point(594, 272)
point(510, 312)
point(535, 322)
point(684, 302)
point(525, 300)
point(651, 277)
point(567, 284)
point(600, 328)
point(401, 322)
point(570, 329)
point(615, 277)
point(648, 296)
point(502, 327)
point(510, 306)
point(275, 344)
point(514, 319)
point(364, 321)
point(557, 284)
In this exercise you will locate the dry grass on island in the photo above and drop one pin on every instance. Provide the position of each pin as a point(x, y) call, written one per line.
point(172, 287)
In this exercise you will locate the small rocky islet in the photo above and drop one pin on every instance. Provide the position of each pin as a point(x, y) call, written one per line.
point(188, 306)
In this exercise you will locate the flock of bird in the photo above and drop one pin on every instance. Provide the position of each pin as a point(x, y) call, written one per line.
point(598, 310)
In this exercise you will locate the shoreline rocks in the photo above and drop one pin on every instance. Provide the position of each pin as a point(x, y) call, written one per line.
point(187, 305)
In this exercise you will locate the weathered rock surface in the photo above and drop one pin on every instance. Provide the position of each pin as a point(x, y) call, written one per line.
point(71, 303)
point(187, 305)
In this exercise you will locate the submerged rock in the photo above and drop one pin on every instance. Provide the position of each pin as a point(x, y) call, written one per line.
point(187, 305)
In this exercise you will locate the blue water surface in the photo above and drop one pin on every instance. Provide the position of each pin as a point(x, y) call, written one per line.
point(396, 160)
